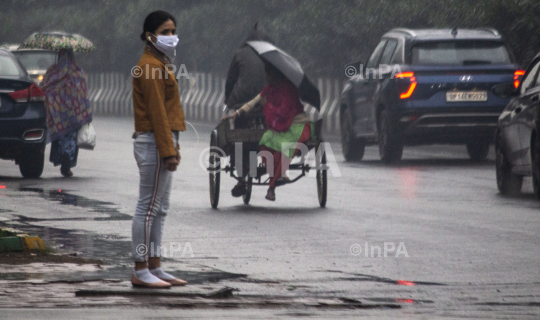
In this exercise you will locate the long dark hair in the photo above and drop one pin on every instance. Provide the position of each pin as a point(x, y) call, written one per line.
point(153, 21)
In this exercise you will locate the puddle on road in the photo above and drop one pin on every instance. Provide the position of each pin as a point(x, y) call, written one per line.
point(67, 198)
point(87, 245)
point(112, 249)
point(116, 251)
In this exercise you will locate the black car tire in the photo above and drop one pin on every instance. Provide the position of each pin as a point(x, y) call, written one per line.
point(507, 182)
point(478, 151)
point(535, 163)
point(390, 145)
point(31, 164)
point(353, 149)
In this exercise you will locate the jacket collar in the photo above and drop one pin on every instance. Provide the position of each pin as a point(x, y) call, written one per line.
point(157, 54)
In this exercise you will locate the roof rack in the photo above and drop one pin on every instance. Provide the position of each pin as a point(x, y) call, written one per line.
point(492, 30)
point(403, 30)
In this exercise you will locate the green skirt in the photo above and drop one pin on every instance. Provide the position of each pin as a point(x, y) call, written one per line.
point(275, 140)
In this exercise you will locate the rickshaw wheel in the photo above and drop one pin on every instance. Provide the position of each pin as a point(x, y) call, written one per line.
point(214, 172)
point(322, 181)
point(246, 197)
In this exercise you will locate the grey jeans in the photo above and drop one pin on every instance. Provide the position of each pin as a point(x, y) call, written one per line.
point(154, 194)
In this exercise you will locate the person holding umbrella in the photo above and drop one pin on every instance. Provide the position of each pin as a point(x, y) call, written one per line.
point(65, 89)
point(286, 120)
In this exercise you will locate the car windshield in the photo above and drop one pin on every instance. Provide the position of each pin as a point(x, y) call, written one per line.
point(460, 53)
point(40, 60)
point(8, 67)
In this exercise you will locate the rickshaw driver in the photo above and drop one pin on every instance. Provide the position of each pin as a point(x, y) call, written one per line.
point(246, 78)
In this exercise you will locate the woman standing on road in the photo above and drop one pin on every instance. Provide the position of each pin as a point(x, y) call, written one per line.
point(158, 120)
point(68, 109)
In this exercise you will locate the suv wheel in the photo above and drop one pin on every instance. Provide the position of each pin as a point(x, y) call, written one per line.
point(353, 149)
point(390, 146)
point(507, 182)
point(478, 151)
point(31, 164)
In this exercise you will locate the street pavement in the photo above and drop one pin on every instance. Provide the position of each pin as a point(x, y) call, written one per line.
point(427, 238)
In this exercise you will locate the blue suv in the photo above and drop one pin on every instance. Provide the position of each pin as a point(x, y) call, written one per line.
point(436, 86)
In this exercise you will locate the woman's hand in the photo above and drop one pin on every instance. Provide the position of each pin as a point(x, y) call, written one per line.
point(171, 163)
point(232, 116)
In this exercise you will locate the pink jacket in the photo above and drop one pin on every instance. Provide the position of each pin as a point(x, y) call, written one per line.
point(282, 105)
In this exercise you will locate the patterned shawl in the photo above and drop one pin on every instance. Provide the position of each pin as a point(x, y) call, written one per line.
point(68, 107)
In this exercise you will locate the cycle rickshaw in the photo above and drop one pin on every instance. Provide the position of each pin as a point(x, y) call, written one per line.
point(224, 136)
point(222, 145)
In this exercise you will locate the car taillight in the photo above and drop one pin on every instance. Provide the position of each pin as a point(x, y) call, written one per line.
point(403, 75)
point(412, 86)
point(21, 95)
point(517, 77)
point(34, 93)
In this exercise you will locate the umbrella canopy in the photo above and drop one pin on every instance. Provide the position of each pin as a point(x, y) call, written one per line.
point(58, 41)
point(291, 68)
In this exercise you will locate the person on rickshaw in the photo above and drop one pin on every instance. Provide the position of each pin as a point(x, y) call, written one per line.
point(286, 123)
point(245, 79)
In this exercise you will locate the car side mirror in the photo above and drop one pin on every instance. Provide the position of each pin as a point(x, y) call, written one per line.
point(507, 90)
point(353, 69)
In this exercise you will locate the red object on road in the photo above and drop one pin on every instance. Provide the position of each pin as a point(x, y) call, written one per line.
point(405, 283)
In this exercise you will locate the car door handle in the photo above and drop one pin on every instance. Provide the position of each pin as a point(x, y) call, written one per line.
point(517, 110)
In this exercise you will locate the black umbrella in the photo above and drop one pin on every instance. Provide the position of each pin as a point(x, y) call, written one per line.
point(291, 68)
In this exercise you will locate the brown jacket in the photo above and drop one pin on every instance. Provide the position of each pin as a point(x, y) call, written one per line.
point(156, 102)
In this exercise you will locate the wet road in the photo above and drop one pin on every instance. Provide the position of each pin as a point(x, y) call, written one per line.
point(431, 234)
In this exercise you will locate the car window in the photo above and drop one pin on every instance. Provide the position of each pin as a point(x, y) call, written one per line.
point(388, 52)
point(36, 60)
point(8, 67)
point(527, 82)
point(374, 59)
point(460, 52)
point(397, 58)
point(537, 81)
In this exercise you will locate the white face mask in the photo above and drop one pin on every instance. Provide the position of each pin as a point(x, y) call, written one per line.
point(167, 45)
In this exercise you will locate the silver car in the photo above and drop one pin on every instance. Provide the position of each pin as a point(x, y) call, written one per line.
point(35, 61)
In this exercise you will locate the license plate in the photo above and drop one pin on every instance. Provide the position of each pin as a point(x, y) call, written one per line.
point(460, 96)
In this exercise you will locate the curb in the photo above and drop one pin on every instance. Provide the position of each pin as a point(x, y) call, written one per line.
point(16, 240)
